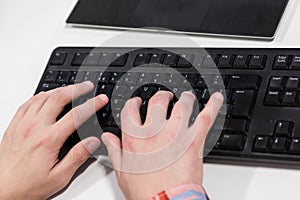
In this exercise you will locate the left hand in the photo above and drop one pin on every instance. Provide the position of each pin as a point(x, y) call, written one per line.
point(29, 167)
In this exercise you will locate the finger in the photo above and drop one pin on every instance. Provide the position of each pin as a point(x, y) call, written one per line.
point(183, 109)
point(77, 116)
point(113, 145)
point(206, 118)
point(76, 157)
point(36, 103)
point(60, 97)
point(130, 114)
point(158, 107)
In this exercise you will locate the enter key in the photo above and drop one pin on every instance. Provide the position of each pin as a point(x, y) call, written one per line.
point(243, 103)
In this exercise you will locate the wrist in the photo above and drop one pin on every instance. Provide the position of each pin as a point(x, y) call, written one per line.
point(185, 191)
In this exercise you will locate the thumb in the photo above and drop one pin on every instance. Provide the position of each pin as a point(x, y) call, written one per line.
point(77, 156)
point(113, 145)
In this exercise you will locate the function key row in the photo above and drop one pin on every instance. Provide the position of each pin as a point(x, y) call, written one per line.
point(284, 62)
point(172, 60)
point(222, 61)
point(91, 59)
point(226, 61)
point(169, 59)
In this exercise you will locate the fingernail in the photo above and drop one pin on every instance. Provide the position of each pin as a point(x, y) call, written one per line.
point(218, 97)
point(135, 101)
point(92, 145)
point(103, 138)
point(171, 93)
point(188, 93)
point(103, 97)
point(89, 83)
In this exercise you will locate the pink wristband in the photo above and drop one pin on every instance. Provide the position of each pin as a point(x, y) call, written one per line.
point(183, 192)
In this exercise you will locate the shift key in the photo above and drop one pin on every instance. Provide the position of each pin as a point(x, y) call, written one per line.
point(242, 103)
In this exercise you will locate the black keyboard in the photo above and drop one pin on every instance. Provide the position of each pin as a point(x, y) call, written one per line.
point(261, 86)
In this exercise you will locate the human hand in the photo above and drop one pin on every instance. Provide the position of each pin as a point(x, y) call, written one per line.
point(167, 166)
point(29, 167)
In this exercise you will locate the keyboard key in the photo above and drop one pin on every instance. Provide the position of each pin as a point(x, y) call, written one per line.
point(105, 89)
point(203, 81)
point(79, 76)
point(279, 145)
point(289, 98)
point(73, 77)
point(115, 77)
point(90, 76)
point(119, 60)
point(63, 77)
point(272, 98)
point(79, 58)
point(257, 62)
point(205, 96)
point(240, 62)
point(242, 103)
point(225, 61)
point(209, 61)
point(103, 78)
point(116, 119)
point(155, 58)
point(117, 104)
point(144, 78)
point(121, 91)
point(103, 116)
point(295, 63)
point(188, 80)
point(232, 142)
point(186, 60)
point(174, 80)
point(58, 58)
point(159, 78)
point(141, 59)
point(130, 78)
point(294, 146)
point(171, 60)
point(243, 82)
point(147, 92)
point(235, 125)
point(92, 59)
point(105, 59)
point(51, 76)
point(276, 82)
point(292, 83)
point(281, 62)
point(49, 86)
point(261, 143)
point(284, 128)
point(217, 81)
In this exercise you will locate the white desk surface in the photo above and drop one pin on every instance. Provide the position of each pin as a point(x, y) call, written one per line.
point(31, 29)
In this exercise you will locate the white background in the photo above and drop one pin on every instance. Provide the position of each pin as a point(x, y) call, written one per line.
point(31, 29)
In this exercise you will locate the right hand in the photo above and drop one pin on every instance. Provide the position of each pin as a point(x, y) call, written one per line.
point(188, 168)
